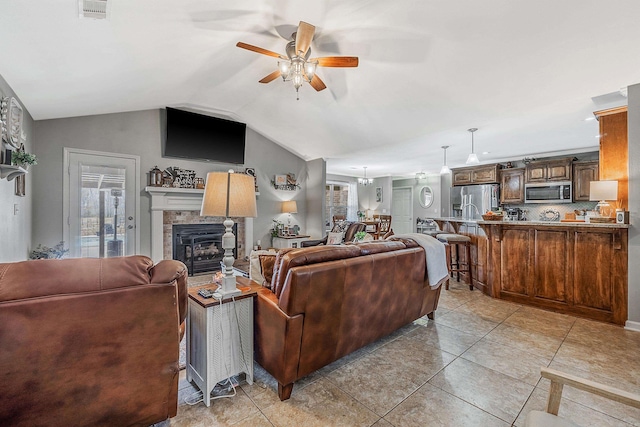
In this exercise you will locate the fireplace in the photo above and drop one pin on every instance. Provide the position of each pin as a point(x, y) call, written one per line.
point(199, 246)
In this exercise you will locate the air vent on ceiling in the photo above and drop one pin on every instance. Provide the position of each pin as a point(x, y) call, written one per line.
point(96, 9)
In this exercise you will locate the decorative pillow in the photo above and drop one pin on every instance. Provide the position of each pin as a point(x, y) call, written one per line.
point(341, 226)
point(334, 238)
point(255, 270)
point(266, 264)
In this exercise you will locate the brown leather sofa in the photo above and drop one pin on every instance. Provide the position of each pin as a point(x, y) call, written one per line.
point(328, 301)
point(90, 342)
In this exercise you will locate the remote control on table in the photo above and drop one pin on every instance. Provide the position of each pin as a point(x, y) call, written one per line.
point(206, 293)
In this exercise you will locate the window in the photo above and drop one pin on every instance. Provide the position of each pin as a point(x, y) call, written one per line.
point(336, 201)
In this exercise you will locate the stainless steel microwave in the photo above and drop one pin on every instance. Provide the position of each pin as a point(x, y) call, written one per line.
point(548, 192)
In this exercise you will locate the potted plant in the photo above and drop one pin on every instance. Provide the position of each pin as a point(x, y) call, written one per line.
point(22, 158)
point(359, 236)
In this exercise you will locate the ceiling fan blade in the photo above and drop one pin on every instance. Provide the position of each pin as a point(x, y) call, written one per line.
point(271, 77)
point(337, 61)
point(303, 37)
point(317, 84)
point(257, 49)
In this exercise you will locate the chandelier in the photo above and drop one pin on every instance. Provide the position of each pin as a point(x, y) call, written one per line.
point(297, 69)
point(365, 181)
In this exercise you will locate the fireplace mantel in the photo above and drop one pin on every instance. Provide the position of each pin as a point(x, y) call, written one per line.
point(178, 199)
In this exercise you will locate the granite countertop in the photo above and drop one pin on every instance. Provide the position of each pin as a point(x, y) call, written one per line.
point(454, 219)
point(556, 224)
point(546, 223)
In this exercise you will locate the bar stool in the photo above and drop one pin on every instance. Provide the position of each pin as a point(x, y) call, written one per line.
point(457, 267)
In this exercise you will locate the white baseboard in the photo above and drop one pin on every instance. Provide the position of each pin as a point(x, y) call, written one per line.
point(632, 326)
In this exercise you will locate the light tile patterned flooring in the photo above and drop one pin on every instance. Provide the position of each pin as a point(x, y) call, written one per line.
point(477, 364)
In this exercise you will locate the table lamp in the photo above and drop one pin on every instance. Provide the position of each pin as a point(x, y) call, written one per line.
point(289, 207)
point(229, 195)
point(601, 191)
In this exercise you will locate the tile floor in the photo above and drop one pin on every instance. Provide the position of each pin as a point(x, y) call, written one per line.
point(477, 364)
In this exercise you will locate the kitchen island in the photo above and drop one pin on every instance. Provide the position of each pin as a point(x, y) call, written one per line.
point(569, 267)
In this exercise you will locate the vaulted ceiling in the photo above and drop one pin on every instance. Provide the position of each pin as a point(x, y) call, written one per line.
point(525, 73)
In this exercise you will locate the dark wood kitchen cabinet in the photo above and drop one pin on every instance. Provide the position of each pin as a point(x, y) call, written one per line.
point(549, 170)
point(485, 174)
point(512, 186)
point(583, 174)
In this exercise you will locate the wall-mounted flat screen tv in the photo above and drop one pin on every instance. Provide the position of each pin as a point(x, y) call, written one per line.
point(199, 137)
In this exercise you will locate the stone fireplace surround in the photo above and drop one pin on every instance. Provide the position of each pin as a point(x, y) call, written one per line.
point(182, 206)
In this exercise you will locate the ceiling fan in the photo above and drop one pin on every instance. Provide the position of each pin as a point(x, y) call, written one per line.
point(297, 66)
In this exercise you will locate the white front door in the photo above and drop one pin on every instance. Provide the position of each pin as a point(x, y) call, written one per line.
point(101, 203)
point(402, 210)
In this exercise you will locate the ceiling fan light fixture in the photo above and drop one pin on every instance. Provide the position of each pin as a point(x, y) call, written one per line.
point(472, 159)
point(310, 69)
point(285, 68)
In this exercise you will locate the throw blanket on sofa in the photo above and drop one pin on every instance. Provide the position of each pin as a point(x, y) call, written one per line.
point(436, 257)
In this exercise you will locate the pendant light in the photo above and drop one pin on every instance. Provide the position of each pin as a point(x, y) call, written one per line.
point(445, 169)
point(472, 159)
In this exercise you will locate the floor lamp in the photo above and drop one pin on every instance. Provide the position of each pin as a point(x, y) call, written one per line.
point(229, 195)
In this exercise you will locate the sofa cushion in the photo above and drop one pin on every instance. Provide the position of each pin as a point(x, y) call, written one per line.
point(378, 246)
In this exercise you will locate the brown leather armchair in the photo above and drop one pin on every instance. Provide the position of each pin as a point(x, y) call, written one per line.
point(90, 342)
point(349, 235)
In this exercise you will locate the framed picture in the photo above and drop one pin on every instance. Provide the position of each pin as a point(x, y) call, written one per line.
point(378, 194)
point(281, 180)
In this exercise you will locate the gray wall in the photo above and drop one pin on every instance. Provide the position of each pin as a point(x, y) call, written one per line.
point(367, 196)
point(432, 181)
point(316, 181)
point(140, 133)
point(634, 203)
point(15, 229)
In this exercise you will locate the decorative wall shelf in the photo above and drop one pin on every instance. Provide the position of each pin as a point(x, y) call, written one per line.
point(11, 171)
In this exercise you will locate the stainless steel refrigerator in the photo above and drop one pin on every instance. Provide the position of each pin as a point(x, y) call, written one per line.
point(471, 201)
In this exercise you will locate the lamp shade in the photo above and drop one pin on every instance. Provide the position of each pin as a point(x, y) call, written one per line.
point(229, 194)
point(290, 207)
point(603, 190)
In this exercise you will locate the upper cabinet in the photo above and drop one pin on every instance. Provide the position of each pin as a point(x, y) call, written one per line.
point(485, 174)
point(512, 186)
point(549, 170)
point(583, 174)
point(614, 151)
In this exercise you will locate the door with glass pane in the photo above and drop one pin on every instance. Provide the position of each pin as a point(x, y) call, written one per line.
point(101, 204)
point(336, 202)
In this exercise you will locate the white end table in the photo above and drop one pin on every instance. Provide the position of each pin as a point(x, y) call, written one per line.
point(282, 242)
point(220, 337)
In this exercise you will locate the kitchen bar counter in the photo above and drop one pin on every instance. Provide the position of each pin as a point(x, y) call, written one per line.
point(569, 267)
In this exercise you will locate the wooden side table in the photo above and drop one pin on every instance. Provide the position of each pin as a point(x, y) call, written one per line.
point(282, 242)
point(220, 337)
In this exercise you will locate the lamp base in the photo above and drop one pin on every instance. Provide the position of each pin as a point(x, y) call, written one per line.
point(228, 287)
point(604, 209)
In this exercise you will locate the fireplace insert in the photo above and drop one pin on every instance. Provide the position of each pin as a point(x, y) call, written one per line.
point(199, 246)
